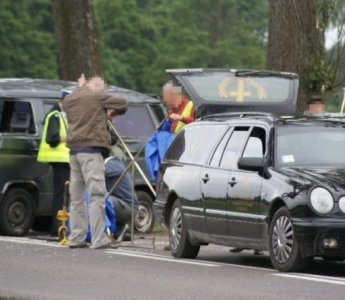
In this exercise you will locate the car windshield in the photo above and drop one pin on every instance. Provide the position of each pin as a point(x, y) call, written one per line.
point(246, 87)
point(310, 145)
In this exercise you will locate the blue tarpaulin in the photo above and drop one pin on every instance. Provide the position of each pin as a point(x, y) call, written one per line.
point(156, 147)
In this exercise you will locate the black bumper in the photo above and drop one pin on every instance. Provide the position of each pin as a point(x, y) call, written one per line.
point(311, 234)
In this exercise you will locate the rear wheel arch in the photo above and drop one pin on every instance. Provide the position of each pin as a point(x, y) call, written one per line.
point(170, 202)
point(275, 206)
point(30, 187)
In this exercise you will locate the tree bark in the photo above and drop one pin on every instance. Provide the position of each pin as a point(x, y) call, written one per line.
point(294, 41)
point(76, 39)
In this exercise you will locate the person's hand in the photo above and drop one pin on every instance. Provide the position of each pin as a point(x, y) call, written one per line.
point(81, 80)
point(111, 113)
point(175, 117)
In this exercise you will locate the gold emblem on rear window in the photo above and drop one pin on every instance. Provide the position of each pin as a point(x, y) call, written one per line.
point(241, 90)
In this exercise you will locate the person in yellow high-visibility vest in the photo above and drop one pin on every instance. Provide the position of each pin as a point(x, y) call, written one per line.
point(181, 110)
point(53, 150)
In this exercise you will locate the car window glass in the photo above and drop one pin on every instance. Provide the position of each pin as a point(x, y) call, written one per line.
point(17, 117)
point(223, 86)
point(233, 147)
point(256, 143)
point(136, 122)
point(194, 144)
point(217, 155)
point(310, 145)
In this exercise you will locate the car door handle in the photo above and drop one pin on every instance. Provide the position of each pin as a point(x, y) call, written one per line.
point(232, 181)
point(205, 178)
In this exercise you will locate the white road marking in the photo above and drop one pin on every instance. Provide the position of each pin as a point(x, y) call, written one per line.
point(182, 261)
point(161, 258)
point(23, 240)
point(316, 278)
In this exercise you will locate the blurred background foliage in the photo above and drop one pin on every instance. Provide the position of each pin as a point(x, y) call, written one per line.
point(140, 39)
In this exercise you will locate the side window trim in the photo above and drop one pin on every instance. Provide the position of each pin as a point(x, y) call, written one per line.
point(264, 141)
point(240, 149)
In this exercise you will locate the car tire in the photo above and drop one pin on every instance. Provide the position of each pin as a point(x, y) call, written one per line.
point(144, 220)
point(285, 253)
point(180, 245)
point(16, 212)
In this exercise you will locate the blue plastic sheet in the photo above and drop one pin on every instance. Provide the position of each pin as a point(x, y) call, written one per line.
point(155, 148)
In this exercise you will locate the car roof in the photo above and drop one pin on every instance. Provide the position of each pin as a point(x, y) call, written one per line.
point(269, 118)
point(49, 88)
point(37, 88)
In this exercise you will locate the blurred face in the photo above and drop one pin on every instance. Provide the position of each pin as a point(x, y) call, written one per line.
point(172, 96)
point(96, 84)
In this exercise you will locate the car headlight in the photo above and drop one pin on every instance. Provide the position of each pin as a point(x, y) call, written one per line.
point(321, 200)
point(342, 204)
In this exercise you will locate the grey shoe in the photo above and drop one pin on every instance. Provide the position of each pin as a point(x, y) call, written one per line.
point(81, 245)
point(108, 246)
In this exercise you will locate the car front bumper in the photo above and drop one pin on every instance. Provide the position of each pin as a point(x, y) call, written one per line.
point(321, 237)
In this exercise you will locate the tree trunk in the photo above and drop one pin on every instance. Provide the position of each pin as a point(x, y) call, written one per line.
point(295, 43)
point(76, 39)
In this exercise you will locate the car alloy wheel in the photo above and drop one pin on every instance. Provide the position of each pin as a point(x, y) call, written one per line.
point(175, 228)
point(284, 249)
point(180, 245)
point(282, 239)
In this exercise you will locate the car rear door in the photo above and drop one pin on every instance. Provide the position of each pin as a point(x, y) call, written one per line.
point(214, 188)
point(244, 187)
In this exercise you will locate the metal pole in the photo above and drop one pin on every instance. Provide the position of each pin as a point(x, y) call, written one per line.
point(132, 159)
point(116, 184)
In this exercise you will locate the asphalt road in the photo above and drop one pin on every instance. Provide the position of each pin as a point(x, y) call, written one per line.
point(32, 268)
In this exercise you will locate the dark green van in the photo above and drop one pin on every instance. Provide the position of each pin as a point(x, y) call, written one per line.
point(26, 185)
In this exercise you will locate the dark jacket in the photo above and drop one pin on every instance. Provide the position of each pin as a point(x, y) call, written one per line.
point(87, 119)
point(53, 131)
point(114, 168)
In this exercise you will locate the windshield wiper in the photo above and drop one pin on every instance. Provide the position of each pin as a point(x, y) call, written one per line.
point(264, 73)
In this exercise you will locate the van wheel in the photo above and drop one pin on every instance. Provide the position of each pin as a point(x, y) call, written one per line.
point(180, 245)
point(284, 249)
point(16, 212)
point(144, 220)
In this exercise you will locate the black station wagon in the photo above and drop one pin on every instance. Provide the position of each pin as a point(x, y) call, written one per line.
point(255, 180)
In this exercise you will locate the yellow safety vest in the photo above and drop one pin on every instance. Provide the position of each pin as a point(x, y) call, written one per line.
point(59, 153)
point(187, 111)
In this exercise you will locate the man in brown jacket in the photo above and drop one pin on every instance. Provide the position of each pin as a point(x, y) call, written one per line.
point(88, 138)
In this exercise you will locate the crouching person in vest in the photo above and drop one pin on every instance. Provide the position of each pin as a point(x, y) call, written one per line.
point(123, 197)
point(53, 150)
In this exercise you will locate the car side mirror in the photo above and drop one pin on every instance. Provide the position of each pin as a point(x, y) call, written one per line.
point(254, 164)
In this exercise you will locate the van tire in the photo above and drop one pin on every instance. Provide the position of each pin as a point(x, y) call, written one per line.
point(145, 219)
point(16, 212)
